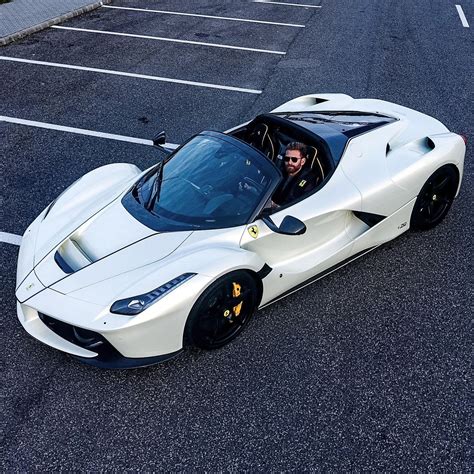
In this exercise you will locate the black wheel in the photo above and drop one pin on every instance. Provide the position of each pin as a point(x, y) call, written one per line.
point(222, 311)
point(435, 199)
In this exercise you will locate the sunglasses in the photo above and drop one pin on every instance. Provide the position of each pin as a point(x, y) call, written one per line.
point(293, 159)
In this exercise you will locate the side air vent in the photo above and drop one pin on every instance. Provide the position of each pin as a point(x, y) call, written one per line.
point(388, 149)
point(318, 100)
point(369, 219)
point(430, 143)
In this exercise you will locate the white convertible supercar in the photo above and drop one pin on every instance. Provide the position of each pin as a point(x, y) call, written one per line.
point(126, 266)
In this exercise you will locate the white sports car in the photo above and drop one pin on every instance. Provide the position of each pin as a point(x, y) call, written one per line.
point(126, 267)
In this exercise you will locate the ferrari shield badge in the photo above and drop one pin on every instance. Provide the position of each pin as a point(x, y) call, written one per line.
point(253, 231)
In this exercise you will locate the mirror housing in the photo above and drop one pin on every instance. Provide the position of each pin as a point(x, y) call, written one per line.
point(289, 226)
point(160, 139)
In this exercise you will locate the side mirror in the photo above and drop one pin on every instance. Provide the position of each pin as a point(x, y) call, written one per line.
point(160, 139)
point(289, 226)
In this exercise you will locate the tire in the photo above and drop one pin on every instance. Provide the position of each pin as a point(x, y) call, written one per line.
point(222, 312)
point(435, 198)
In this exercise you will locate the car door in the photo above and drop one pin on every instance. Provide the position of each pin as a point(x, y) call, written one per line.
point(331, 228)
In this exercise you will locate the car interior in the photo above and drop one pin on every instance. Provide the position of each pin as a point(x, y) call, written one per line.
point(270, 134)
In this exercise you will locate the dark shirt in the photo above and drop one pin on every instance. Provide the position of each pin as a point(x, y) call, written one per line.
point(293, 187)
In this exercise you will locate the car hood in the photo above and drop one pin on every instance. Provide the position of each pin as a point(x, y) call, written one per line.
point(88, 196)
point(107, 244)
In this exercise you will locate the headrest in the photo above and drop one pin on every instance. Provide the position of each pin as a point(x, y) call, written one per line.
point(258, 135)
point(313, 161)
point(312, 154)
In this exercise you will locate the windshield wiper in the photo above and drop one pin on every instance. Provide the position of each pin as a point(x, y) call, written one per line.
point(156, 188)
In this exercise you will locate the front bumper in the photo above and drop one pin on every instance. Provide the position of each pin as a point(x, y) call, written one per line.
point(106, 354)
point(87, 346)
point(150, 337)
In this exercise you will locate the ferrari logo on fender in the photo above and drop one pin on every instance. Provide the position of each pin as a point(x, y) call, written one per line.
point(253, 231)
point(28, 288)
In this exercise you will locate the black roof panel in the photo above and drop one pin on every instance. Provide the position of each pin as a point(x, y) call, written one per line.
point(348, 123)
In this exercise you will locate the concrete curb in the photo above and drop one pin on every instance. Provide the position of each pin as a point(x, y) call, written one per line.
point(53, 21)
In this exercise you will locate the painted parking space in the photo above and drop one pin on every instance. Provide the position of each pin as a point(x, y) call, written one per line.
point(237, 70)
point(171, 40)
point(210, 31)
point(105, 70)
point(122, 105)
point(74, 67)
point(200, 15)
point(59, 104)
point(238, 8)
point(195, 67)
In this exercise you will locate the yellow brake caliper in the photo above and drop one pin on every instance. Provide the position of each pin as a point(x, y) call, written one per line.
point(236, 293)
point(236, 290)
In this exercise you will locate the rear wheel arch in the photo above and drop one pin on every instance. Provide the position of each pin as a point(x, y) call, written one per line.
point(435, 197)
point(453, 167)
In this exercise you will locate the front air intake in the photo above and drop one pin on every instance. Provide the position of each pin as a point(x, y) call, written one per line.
point(84, 338)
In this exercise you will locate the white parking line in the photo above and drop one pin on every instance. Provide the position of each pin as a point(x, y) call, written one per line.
point(170, 40)
point(245, 20)
point(10, 238)
point(462, 16)
point(130, 74)
point(83, 131)
point(16, 239)
point(287, 3)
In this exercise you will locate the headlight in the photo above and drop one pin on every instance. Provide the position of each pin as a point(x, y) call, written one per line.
point(137, 304)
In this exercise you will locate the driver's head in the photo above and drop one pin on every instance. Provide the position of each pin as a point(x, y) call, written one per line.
point(295, 157)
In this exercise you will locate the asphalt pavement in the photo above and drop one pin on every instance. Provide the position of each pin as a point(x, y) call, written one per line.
point(367, 369)
point(19, 18)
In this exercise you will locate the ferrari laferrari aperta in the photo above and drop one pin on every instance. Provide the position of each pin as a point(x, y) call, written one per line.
point(126, 267)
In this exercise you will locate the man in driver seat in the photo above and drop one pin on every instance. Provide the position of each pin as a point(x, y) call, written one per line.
point(298, 180)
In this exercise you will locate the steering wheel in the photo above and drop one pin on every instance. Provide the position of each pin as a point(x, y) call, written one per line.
point(252, 185)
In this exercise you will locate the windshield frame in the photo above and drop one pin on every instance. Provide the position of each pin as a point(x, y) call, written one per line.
point(134, 201)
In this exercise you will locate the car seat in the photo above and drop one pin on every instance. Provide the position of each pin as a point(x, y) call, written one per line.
point(260, 139)
point(314, 164)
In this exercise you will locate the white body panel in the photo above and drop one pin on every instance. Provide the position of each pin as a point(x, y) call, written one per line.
point(82, 200)
point(113, 256)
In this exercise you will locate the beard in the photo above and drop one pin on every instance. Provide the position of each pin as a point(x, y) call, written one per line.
point(290, 169)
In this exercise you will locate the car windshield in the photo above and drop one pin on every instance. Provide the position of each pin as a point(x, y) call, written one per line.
point(213, 181)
